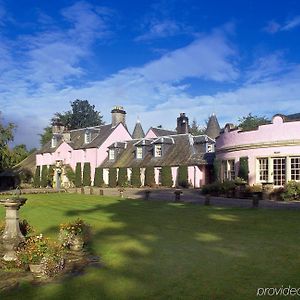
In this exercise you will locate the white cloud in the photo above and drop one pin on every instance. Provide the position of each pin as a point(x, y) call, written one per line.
point(273, 27)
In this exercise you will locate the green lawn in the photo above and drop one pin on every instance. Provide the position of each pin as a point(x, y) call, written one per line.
point(155, 250)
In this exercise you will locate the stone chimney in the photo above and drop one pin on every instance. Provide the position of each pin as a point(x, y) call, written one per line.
point(182, 124)
point(118, 116)
point(57, 126)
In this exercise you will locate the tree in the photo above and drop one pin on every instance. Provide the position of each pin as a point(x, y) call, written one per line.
point(136, 177)
point(195, 129)
point(44, 176)
point(81, 115)
point(86, 174)
point(98, 179)
point(252, 122)
point(166, 176)
point(37, 178)
point(112, 177)
point(18, 153)
point(6, 135)
point(244, 168)
point(51, 174)
point(183, 179)
point(149, 177)
point(78, 178)
point(122, 177)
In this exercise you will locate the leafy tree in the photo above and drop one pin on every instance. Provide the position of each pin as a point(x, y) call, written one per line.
point(37, 178)
point(6, 135)
point(244, 168)
point(18, 153)
point(98, 179)
point(81, 115)
point(44, 176)
point(149, 176)
point(195, 129)
point(136, 177)
point(122, 177)
point(87, 174)
point(252, 122)
point(112, 177)
point(183, 179)
point(78, 178)
point(166, 176)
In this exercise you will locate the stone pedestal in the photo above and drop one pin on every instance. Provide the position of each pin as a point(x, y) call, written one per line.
point(12, 235)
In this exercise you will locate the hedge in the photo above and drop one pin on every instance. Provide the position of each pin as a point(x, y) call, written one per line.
point(183, 178)
point(98, 179)
point(166, 176)
point(112, 177)
point(122, 177)
point(78, 178)
point(70, 174)
point(136, 177)
point(149, 176)
point(37, 178)
point(244, 168)
point(44, 176)
point(86, 174)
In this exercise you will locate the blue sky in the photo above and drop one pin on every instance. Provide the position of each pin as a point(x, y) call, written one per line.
point(156, 58)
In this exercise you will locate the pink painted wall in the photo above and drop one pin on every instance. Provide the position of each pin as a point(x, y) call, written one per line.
point(150, 134)
point(275, 132)
point(195, 175)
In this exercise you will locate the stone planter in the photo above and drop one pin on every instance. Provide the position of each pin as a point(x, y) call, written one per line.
point(36, 270)
point(77, 243)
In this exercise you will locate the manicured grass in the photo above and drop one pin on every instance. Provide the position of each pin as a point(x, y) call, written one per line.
point(156, 250)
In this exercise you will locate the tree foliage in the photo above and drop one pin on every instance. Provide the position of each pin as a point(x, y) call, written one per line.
point(6, 135)
point(183, 179)
point(112, 177)
point(195, 129)
point(51, 175)
point(136, 177)
point(166, 176)
point(149, 177)
point(244, 168)
point(86, 174)
point(37, 178)
point(70, 174)
point(122, 177)
point(98, 179)
point(251, 122)
point(78, 177)
point(44, 176)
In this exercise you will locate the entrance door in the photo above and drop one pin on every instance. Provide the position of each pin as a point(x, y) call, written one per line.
point(279, 170)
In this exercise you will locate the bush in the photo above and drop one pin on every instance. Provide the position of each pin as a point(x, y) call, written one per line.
point(122, 177)
point(291, 191)
point(166, 176)
point(244, 168)
point(149, 177)
point(86, 174)
point(217, 170)
point(212, 189)
point(136, 177)
point(183, 180)
point(50, 175)
point(44, 177)
point(98, 179)
point(112, 177)
point(37, 178)
point(70, 174)
point(78, 178)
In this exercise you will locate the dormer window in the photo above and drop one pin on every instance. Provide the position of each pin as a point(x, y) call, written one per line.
point(158, 150)
point(139, 152)
point(54, 142)
point(210, 148)
point(87, 137)
point(111, 154)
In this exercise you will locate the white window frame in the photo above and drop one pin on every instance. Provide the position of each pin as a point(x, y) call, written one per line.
point(139, 152)
point(263, 169)
point(87, 137)
point(53, 142)
point(210, 148)
point(295, 168)
point(111, 154)
point(158, 150)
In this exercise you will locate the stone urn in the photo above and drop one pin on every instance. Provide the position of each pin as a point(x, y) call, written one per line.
point(12, 235)
point(36, 270)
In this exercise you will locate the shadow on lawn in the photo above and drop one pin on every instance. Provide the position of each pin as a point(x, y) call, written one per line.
point(159, 250)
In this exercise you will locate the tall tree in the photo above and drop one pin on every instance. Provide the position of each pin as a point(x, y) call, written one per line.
point(195, 129)
point(81, 115)
point(251, 122)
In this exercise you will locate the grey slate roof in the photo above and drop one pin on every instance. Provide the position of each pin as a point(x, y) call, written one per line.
point(213, 128)
point(161, 131)
point(138, 132)
point(183, 152)
point(99, 136)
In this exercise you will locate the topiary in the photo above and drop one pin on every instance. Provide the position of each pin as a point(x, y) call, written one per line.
point(136, 177)
point(44, 176)
point(70, 174)
point(166, 176)
point(217, 170)
point(86, 174)
point(182, 176)
point(50, 175)
point(98, 179)
point(37, 178)
point(149, 176)
point(244, 168)
point(122, 177)
point(112, 177)
point(78, 178)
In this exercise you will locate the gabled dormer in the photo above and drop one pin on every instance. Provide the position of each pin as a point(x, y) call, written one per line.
point(115, 149)
point(140, 148)
point(87, 136)
point(204, 143)
point(161, 145)
point(54, 141)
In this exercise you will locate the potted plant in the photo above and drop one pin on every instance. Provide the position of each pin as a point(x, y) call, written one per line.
point(43, 257)
point(74, 234)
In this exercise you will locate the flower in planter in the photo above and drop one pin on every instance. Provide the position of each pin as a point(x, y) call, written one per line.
point(70, 232)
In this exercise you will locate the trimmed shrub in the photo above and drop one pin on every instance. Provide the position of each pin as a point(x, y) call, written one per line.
point(86, 174)
point(112, 177)
point(50, 175)
point(136, 177)
point(291, 191)
point(44, 176)
point(217, 170)
point(122, 177)
point(98, 179)
point(149, 177)
point(78, 178)
point(244, 168)
point(183, 178)
point(37, 178)
point(166, 176)
point(70, 174)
